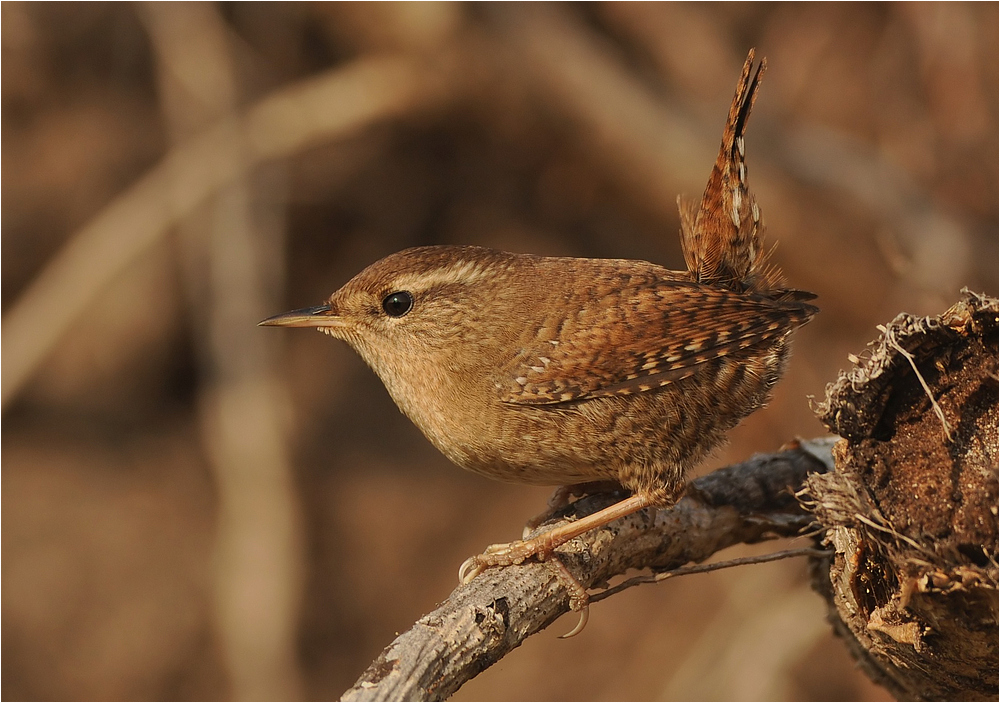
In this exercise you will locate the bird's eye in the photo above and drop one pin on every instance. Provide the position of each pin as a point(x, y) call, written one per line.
point(397, 304)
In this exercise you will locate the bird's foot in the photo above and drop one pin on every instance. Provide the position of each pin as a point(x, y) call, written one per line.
point(579, 599)
point(504, 555)
point(517, 553)
point(543, 545)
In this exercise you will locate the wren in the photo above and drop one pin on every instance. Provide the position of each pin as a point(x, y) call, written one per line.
point(557, 371)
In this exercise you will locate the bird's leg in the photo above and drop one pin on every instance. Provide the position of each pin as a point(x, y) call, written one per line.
point(563, 496)
point(544, 544)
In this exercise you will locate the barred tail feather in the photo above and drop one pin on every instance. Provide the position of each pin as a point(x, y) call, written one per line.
point(721, 237)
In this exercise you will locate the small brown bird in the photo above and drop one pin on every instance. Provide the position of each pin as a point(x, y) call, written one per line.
point(558, 371)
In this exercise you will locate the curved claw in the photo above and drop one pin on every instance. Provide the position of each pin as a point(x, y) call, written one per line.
point(470, 569)
point(584, 619)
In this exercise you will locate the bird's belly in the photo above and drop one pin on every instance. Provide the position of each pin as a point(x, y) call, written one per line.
point(646, 441)
point(631, 440)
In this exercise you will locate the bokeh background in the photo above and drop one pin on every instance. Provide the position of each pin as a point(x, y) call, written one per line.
point(197, 508)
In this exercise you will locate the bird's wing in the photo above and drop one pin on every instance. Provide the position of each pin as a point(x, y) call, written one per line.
point(640, 338)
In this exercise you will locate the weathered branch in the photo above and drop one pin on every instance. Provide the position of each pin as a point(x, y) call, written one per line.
point(484, 620)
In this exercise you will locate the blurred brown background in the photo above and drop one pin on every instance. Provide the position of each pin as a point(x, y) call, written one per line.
point(197, 508)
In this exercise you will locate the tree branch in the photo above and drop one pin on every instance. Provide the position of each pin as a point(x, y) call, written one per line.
point(484, 620)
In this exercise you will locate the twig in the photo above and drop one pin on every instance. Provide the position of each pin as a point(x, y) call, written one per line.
point(894, 533)
point(890, 337)
point(705, 568)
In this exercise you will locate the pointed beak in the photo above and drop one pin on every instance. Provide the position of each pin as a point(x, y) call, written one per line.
point(317, 316)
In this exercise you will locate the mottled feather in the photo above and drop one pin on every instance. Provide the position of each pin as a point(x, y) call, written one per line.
point(721, 236)
point(643, 336)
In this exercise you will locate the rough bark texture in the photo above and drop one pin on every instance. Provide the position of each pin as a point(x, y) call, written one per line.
point(911, 508)
point(484, 620)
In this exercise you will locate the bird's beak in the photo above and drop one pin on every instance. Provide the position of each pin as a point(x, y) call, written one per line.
point(317, 316)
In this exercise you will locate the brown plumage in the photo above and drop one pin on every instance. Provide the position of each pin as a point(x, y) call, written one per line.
point(721, 236)
point(554, 370)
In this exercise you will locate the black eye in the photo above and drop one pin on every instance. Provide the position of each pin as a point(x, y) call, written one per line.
point(397, 304)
